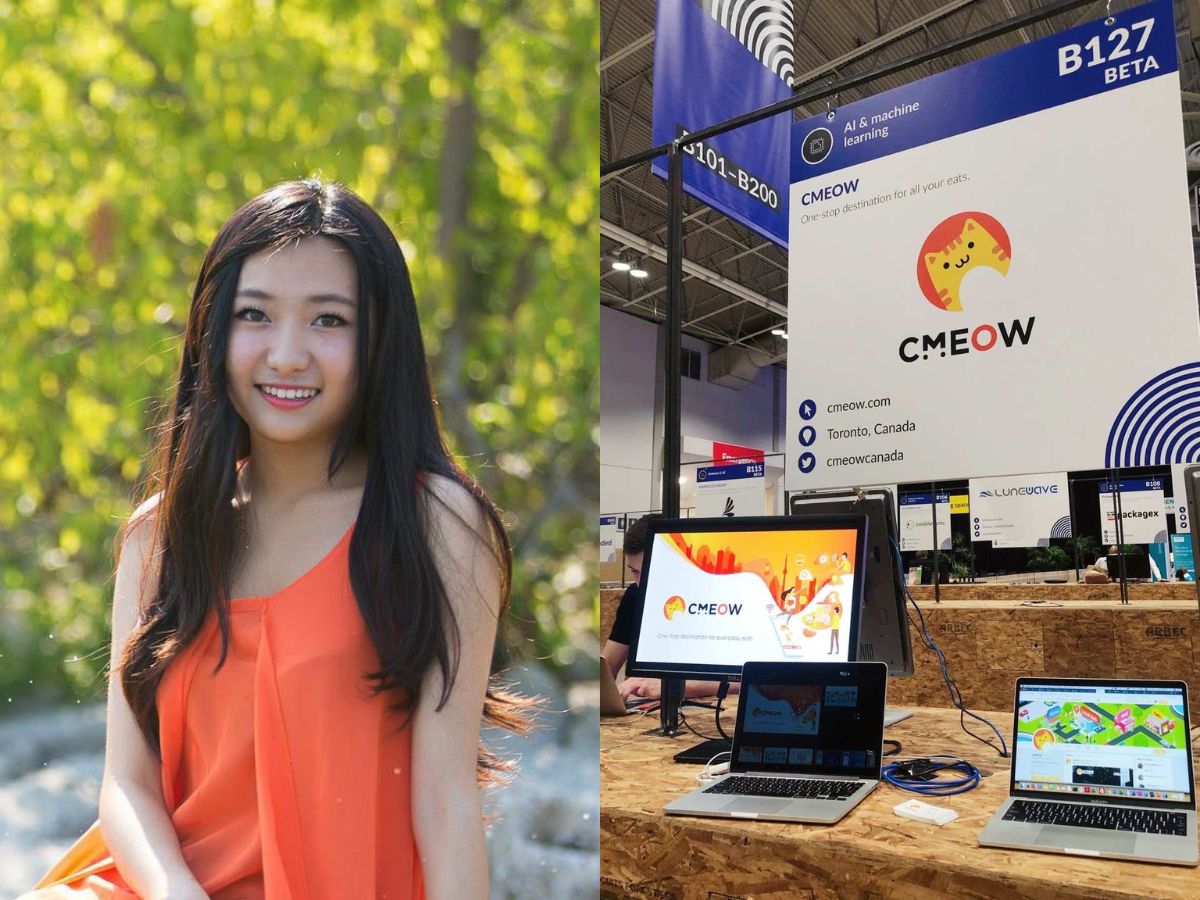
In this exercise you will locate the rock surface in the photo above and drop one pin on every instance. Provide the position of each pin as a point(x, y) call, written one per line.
point(544, 841)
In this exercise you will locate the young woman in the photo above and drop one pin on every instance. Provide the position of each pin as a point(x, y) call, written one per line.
point(305, 609)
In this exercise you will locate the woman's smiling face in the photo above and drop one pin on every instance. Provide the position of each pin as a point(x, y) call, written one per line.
point(293, 333)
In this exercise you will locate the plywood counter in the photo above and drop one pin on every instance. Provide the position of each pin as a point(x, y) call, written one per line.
point(1022, 630)
point(871, 853)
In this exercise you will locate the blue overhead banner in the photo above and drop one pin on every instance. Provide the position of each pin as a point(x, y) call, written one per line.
point(714, 60)
point(1064, 68)
point(730, 473)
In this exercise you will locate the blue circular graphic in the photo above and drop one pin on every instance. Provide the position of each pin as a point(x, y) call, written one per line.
point(808, 409)
point(1158, 423)
point(807, 435)
point(807, 462)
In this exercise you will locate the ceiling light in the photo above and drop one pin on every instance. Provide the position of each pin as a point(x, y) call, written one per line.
point(620, 265)
point(639, 273)
point(785, 337)
point(778, 332)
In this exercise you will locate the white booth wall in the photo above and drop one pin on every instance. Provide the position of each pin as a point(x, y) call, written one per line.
point(631, 410)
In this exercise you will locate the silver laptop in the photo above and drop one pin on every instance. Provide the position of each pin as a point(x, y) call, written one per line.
point(1100, 768)
point(807, 745)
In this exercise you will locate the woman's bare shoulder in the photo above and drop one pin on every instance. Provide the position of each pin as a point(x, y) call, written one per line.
point(135, 544)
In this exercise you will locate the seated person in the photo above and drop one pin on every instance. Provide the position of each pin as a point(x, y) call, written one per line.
point(616, 648)
point(1097, 572)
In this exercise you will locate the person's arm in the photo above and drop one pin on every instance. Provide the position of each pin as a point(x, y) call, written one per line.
point(616, 653)
point(133, 814)
point(446, 804)
point(651, 688)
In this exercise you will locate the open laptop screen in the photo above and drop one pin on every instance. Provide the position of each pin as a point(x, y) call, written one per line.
point(1122, 740)
point(810, 718)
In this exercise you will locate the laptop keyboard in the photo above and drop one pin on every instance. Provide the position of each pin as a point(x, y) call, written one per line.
point(1087, 815)
point(799, 788)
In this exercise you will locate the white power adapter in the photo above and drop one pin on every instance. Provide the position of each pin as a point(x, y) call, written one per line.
point(924, 812)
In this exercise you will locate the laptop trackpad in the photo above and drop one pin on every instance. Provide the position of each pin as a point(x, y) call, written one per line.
point(1086, 839)
point(761, 805)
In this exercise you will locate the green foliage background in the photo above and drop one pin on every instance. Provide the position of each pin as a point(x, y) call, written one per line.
point(132, 130)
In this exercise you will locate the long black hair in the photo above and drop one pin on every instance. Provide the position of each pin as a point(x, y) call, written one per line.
point(393, 419)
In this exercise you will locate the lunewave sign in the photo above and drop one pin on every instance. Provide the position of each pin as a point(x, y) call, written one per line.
point(1020, 511)
point(961, 238)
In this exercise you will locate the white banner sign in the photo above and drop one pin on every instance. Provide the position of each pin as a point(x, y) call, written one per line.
point(731, 490)
point(1143, 512)
point(1021, 511)
point(960, 258)
point(608, 538)
point(916, 522)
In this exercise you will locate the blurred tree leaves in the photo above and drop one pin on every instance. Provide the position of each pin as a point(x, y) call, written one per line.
point(134, 129)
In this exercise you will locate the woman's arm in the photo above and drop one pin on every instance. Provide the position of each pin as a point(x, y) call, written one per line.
point(447, 810)
point(133, 815)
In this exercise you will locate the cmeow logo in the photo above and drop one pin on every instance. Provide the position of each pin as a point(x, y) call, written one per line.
point(957, 245)
point(677, 606)
point(672, 607)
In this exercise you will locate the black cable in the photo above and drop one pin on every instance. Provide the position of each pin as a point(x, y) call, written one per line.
point(722, 692)
point(895, 752)
point(688, 726)
point(951, 687)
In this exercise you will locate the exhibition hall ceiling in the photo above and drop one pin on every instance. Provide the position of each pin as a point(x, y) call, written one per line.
point(735, 282)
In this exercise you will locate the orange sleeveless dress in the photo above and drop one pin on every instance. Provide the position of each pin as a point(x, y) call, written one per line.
point(284, 779)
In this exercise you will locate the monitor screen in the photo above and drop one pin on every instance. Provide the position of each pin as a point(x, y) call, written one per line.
point(717, 592)
point(1126, 741)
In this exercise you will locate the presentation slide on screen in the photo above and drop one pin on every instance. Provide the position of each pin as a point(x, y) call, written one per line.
point(1114, 742)
point(721, 598)
point(963, 254)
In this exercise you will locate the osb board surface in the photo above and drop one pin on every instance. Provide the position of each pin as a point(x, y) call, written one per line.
point(870, 853)
point(1163, 590)
point(1072, 608)
point(989, 644)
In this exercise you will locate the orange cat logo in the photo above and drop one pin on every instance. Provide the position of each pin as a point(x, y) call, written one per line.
point(673, 606)
point(957, 245)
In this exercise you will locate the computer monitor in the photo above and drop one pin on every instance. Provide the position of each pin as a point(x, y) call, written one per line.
point(719, 591)
point(1137, 565)
point(882, 621)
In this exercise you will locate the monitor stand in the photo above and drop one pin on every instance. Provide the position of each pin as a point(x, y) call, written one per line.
point(670, 699)
point(894, 714)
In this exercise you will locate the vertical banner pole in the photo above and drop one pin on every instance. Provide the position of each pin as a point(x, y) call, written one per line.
point(674, 326)
point(937, 554)
point(1114, 477)
point(1074, 527)
point(673, 688)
